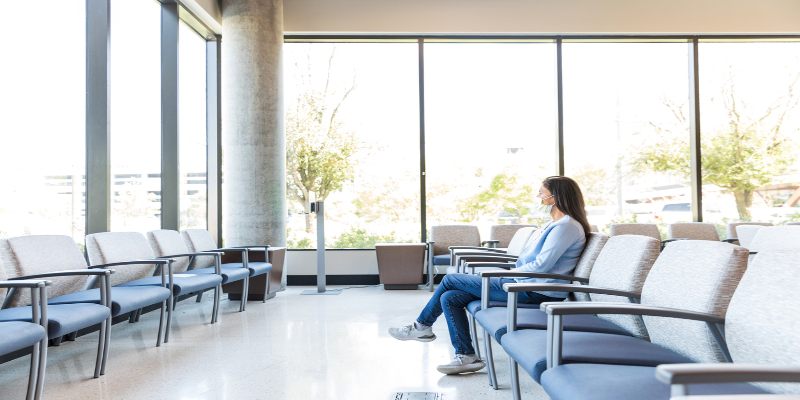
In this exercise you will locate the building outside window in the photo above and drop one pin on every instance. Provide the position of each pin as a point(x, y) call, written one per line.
point(42, 110)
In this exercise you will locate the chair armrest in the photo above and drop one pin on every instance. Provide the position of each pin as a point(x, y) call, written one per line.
point(133, 262)
point(569, 288)
point(256, 247)
point(24, 283)
point(238, 249)
point(200, 253)
point(682, 374)
point(521, 274)
point(473, 265)
point(555, 326)
point(594, 307)
point(72, 272)
point(491, 242)
point(731, 240)
point(451, 248)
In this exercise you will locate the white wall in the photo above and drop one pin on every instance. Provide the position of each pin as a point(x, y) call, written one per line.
point(339, 262)
point(542, 16)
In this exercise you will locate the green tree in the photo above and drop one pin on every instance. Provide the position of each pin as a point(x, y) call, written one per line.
point(319, 149)
point(742, 157)
point(358, 238)
point(504, 195)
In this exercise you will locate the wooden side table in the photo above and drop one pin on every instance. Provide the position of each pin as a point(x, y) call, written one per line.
point(400, 265)
point(277, 257)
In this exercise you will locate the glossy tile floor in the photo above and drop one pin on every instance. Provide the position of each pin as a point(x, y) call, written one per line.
point(292, 347)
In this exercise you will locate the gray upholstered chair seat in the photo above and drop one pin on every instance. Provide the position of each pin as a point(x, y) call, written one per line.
point(528, 348)
point(229, 273)
point(62, 318)
point(621, 382)
point(183, 283)
point(124, 299)
point(495, 320)
point(16, 335)
point(256, 267)
point(441, 259)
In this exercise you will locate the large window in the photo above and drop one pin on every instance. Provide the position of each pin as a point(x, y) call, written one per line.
point(42, 114)
point(135, 115)
point(751, 131)
point(192, 128)
point(626, 130)
point(352, 131)
point(490, 124)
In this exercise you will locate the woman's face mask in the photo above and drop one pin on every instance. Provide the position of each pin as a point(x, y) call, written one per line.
point(544, 207)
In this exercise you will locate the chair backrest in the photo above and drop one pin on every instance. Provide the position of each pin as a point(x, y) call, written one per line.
point(517, 243)
point(200, 240)
point(445, 236)
point(109, 247)
point(746, 233)
point(733, 232)
point(623, 264)
point(695, 275)
point(763, 319)
point(650, 230)
point(505, 233)
point(776, 238)
point(692, 231)
point(37, 254)
point(591, 250)
point(166, 242)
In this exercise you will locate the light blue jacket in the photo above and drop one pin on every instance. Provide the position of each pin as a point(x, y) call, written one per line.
point(556, 251)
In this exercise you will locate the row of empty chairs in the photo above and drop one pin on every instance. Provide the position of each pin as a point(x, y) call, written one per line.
point(127, 273)
point(602, 350)
point(446, 238)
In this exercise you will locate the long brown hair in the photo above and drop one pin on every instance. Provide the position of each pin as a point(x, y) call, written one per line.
point(568, 198)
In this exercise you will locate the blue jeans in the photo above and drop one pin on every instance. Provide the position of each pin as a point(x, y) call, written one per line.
point(452, 297)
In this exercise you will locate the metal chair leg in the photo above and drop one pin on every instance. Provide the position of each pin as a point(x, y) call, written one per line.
point(170, 306)
point(199, 297)
point(34, 371)
point(266, 289)
point(215, 312)
point(487, 343)
point(245, 287)
point(100, 344)
point(42, 368)
point(161, 323)
point(473, 327)
point(106, 345)
point(514, 379)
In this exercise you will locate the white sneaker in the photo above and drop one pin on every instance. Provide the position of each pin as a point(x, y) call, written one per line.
point(410, 332)
point(462, 363)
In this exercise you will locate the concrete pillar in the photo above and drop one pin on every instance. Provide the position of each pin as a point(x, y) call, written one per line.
point(253, 140)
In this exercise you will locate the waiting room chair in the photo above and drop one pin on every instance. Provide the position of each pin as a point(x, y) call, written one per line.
point(463, 254)
point(760, 334)
point(170, 244)
point(692, 231)
point(733, 233)
point(581, 273)
point(446, 236)
point(503, 234)
point(650, 230)
point(618, 272)
point(57, 259)
point(201, 240)
point(776, 238)
point(18, 335)
point(746, 233)
point(683, 304)
point(133, 249)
